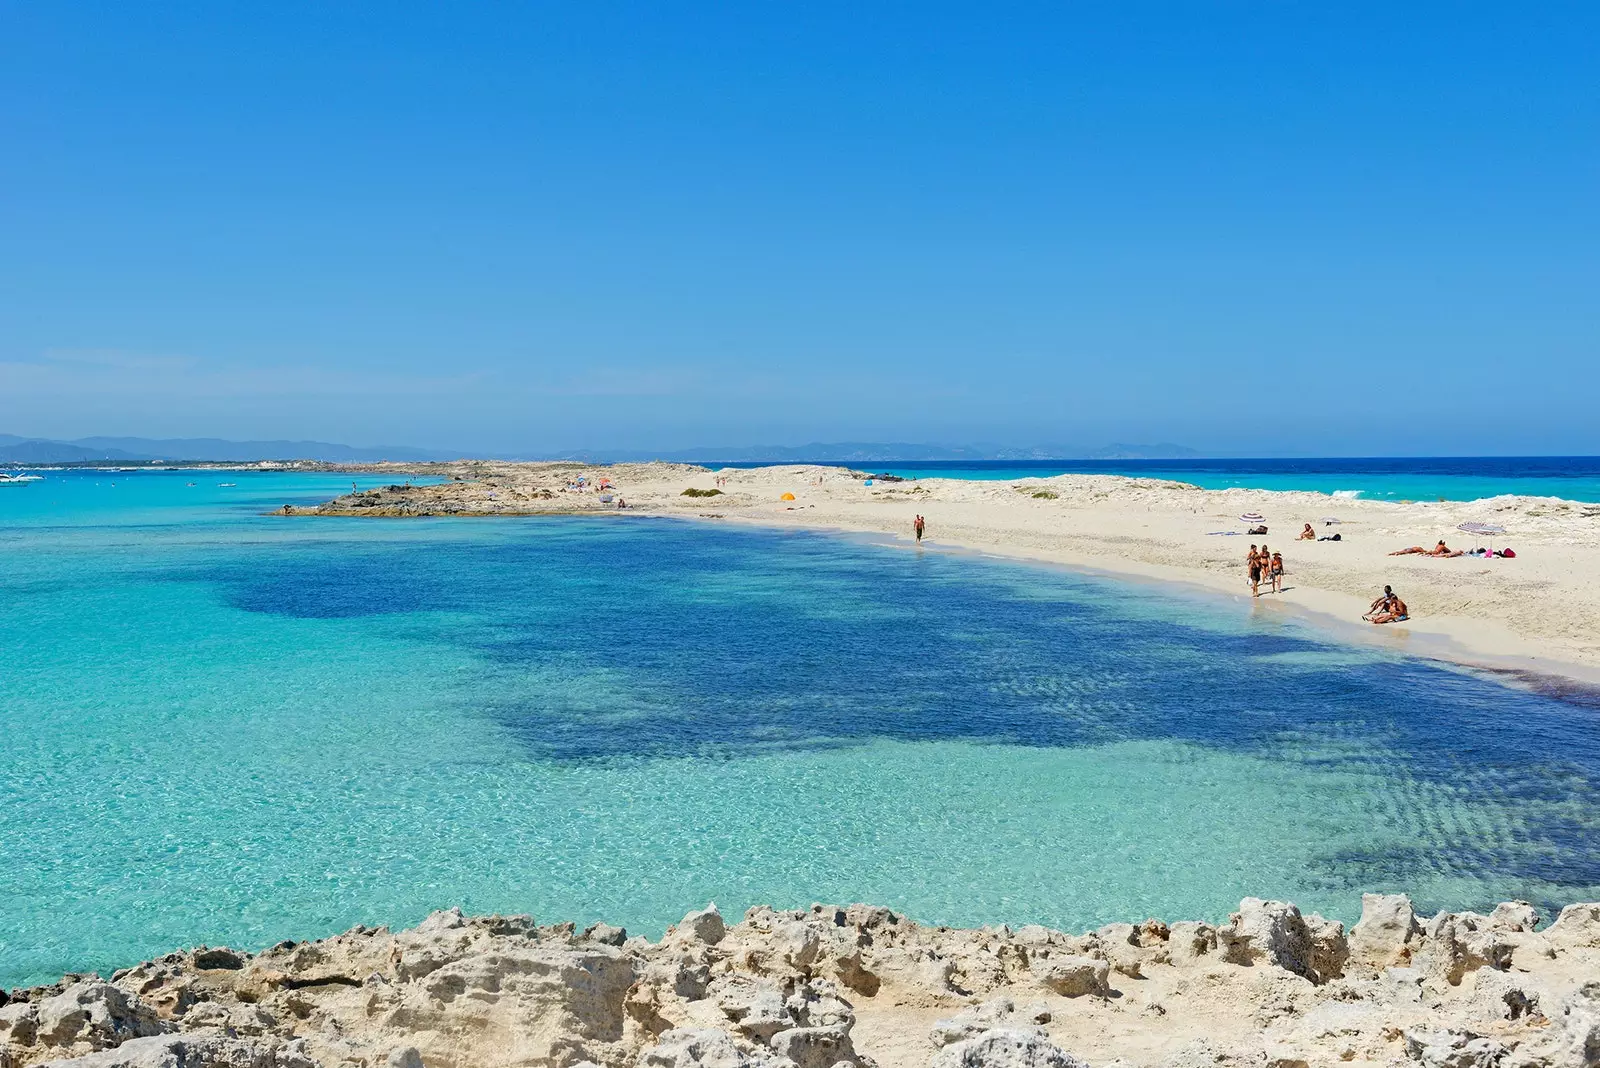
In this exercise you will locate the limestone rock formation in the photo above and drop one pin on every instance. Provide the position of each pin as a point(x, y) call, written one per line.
point(1006, 1049)
point(851, 987)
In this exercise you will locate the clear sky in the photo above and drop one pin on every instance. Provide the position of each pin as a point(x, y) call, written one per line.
point(1249, 228)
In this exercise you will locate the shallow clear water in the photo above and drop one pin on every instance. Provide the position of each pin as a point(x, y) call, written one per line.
point(225, 727)
point(1410, 478)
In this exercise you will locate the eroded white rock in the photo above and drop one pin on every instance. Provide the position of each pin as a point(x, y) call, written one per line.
point(1005, 1048)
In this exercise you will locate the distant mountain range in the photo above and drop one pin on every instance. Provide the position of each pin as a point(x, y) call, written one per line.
point(16, 450)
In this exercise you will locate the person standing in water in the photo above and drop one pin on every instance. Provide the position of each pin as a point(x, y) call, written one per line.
point(918, 525)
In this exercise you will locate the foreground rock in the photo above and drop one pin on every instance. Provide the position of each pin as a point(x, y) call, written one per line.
point(852, 987)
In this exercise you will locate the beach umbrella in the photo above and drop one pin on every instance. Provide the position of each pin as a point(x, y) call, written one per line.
point(1329, 520)
point(1487, 530)
point(1252, 517)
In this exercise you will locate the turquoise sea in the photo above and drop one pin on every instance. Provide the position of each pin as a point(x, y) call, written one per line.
point(225, 727)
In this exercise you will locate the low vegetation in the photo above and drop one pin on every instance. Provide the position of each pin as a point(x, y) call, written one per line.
point(1045, 495)
point(692, 492)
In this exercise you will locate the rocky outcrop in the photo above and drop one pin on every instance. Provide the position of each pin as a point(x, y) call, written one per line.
point(1387, 933)
point(1006, 1049)
point(851, 987)
point(1274, 932)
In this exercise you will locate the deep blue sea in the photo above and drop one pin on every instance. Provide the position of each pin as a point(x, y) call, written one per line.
point(1454, 478)
point(225, 727)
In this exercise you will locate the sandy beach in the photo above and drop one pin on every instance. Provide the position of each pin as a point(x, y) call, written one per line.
point(1538, 612)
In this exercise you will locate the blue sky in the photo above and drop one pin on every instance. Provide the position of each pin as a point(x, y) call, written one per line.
point(1249, 228)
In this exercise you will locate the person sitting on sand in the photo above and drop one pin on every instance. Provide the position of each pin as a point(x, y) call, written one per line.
point(1394, 612)
point(1388, 594)
point(1308, 534)
point(1444, 550)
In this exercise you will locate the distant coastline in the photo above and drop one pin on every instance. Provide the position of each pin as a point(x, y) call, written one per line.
point(1399, 479)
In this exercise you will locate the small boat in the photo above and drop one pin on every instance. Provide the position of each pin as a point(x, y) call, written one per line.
point(227, 485)
point(18, 479)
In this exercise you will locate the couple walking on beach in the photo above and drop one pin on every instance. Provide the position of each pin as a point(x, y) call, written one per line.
point(1264, 564)
point(918, 526)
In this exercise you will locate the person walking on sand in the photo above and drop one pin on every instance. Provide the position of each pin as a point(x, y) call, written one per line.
point(1253, 563)
point(1276, 572)
point(918, 525)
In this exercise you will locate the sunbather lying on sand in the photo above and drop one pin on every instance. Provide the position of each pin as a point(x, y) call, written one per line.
point(1438, 550)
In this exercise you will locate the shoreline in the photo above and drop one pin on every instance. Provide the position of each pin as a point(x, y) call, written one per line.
point(1537, 615)
point(853, 986)
point(1437, 645)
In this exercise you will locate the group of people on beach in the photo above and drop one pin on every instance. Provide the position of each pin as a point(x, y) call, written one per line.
point(1444, 551)
point(1264, 564)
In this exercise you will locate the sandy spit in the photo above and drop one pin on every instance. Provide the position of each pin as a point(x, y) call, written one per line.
point(1538, 613)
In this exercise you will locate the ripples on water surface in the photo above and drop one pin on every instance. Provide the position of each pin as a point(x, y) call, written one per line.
point(223, 727)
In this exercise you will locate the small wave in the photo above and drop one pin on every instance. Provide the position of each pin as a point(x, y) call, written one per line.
point(1349, 494)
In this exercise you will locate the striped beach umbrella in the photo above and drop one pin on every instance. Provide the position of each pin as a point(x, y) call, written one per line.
point(1487, 530)
point(1252, 517)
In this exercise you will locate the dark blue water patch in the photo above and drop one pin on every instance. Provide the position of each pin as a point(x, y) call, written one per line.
point(651, 639)
point(737, 633)
point(346, 582)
